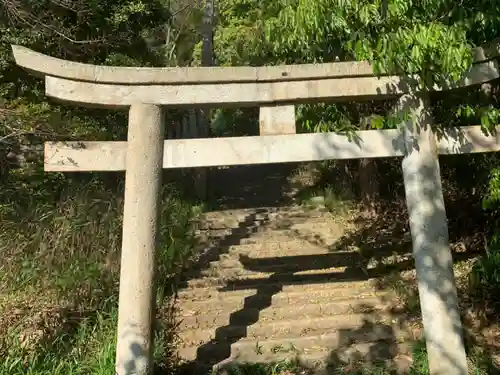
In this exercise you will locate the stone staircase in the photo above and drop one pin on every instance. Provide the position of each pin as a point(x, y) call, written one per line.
point(273, 286)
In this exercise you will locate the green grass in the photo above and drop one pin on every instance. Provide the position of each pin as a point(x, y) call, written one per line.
point(60, 241)
point(89, 350)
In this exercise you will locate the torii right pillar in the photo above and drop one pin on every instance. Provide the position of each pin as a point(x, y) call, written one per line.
point(431, 249)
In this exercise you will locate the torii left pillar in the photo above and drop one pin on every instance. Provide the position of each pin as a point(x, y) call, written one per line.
point(136, 312)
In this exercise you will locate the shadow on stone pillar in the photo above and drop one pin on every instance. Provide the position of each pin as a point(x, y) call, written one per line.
point(201, 120)
point(431, 249)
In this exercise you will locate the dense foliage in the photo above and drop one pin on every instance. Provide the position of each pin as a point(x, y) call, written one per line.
point(60, 234)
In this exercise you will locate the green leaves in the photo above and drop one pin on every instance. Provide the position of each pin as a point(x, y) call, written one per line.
point(409, 38)
point(492, 198)
point(123, 12)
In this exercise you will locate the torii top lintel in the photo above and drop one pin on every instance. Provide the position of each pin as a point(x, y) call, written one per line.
point(114, 86)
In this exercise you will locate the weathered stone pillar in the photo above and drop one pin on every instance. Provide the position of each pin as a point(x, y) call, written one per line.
point(277, 120)
point(136, 311)
point(201, 120)
point(429, 230)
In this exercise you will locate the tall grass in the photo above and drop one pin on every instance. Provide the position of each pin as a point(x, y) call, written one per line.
point(60, 241)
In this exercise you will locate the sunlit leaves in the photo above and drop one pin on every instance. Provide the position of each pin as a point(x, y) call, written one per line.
point(492, 198)
point(125, 11)
point(406, 37)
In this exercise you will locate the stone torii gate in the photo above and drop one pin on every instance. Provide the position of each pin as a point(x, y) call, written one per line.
point(144, 91)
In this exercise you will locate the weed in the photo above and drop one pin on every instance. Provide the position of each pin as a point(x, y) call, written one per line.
point(289, 367)
point(485, 275)
point(258, 349)
point(328, 197)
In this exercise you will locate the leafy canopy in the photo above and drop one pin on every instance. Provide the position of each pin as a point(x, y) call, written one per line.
point(431, 37)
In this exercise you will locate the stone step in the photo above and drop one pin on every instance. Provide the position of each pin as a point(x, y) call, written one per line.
point(235, 218)
point(285, 211)
point(395, 357)
point(231, 223)
point(299, 217)
point(369, 324)
point(255, 280)
point(287, 294)
point(292, 246)
point(274, 251)
point(330, 362)
point(219, 229)
point(260, 235)
point(314, 363)
point(240, 313)
point(308, 363)
point(236, 253)
point(287, 227)
point(326, 233)
point(243, 265)
point(254, 257)
point(348, 344)
point(321, 238)
point(256, 272)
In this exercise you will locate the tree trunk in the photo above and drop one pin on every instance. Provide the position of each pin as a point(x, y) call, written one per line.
point(207, 51)
point(203, 116)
